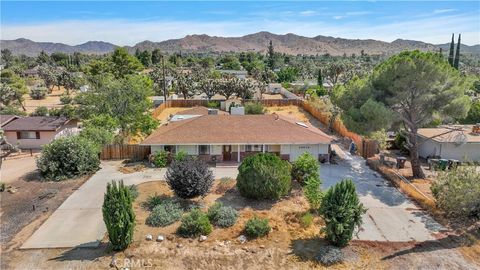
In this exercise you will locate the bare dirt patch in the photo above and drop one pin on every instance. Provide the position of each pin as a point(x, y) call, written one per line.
point(167, 112)
point(51, 101)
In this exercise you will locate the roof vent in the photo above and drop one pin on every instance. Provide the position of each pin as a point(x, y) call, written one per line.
point(212, 111)
point(301, 124)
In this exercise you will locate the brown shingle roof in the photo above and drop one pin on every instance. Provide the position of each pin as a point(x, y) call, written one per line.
point(454, 133)
point(244, 129)
point(36, 123)
point(7, 118)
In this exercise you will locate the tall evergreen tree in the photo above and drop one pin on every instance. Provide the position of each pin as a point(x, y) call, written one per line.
point(118, 215)
point(271, 56)
point(320, 78)
point(450, 54)
point(457, 54)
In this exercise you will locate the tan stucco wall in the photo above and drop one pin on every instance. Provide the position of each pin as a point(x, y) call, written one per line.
point(45, 138)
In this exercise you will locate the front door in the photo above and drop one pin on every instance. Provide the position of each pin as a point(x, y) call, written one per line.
point(227, 152)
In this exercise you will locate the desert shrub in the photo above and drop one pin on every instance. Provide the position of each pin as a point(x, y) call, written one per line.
point(97, 135)
point(153, 201)
point(40, 111)
point(38, 92)
point(342, 212)
point(264, 176)
point(381, 137)
point(400, 142)
point(306, 220)
point(181, 155)
point(257, 227)
point(66, 99)
point(225, 184)
point(312, 192)
point(194, 224)
point(213, 104)
point(118, 215)
point(189, 178)
point(457, 192)
point(222, 216)
point(160, 159)
point(133, 191)
point(254, 108)
point(164, 214)
point(68, 157)
point(304, 167)
point(328, 255)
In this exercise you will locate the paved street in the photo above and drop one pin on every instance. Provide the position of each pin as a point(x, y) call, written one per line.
point(390, 216)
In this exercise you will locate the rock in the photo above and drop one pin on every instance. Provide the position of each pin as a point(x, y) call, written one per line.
point(253, 251)
point(160, 238)
point(242, 239)
point(113, 262)
point(179, 245)
point(149, 237)
point(170, 237)
point(202, 238)
point(12, 190)
point(262, 246)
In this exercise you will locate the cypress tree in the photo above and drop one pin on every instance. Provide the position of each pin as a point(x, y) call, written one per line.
point(271, 59)
point(118, 215)
point(457, 54)
point(450, 54)
point(320, 78)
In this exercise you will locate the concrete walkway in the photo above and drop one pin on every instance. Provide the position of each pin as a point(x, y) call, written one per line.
point(78, 222)
point(391, 216)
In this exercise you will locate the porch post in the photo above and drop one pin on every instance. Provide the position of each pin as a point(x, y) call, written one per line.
point(238, 153)
point(263, 148)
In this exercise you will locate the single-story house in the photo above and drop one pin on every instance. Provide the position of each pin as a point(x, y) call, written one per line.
point(33, 132)
point(240, 74)
point(460, 142)
point(234, 137)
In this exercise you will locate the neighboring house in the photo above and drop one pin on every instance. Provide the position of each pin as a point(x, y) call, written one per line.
point(460, 142)
point(5, 119)
point(233, 137)
point(241, 74)
point(31, 72)
point(33, 132)
point(274, 88)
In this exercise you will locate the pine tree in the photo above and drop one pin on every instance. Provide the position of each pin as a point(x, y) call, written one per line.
point(320, 78)
point(457, 54)
point(342, 212)
point(271, 56)
point(450, 54)
point(118, 215)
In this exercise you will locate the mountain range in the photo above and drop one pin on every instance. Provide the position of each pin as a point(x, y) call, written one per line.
point(258, 42)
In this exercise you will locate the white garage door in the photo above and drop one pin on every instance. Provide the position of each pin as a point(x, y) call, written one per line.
point(297, 150)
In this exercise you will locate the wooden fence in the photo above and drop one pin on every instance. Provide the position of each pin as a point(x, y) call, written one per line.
point(366, 148)
point(125, 151)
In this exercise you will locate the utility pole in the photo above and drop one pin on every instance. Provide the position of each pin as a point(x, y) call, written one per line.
point(164, 80)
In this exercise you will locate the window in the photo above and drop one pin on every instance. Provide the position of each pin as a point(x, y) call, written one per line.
point(204, 149)
point(28, 135)
point(253, 148)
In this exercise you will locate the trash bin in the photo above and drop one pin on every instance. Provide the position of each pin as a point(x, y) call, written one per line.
point(401, 162)
point(442, 164)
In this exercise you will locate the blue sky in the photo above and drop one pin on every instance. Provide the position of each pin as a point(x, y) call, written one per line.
point(126, 23)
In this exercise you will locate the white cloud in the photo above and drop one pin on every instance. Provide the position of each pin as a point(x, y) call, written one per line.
point(440, 11)
point(308, 13)
point(125, 32)
point(338, 17)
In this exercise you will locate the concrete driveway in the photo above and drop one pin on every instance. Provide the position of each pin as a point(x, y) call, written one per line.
point(78, 222)
point(391, 216)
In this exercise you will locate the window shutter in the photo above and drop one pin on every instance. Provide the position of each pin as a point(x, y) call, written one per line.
point(37, 134)
point(18, 135)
